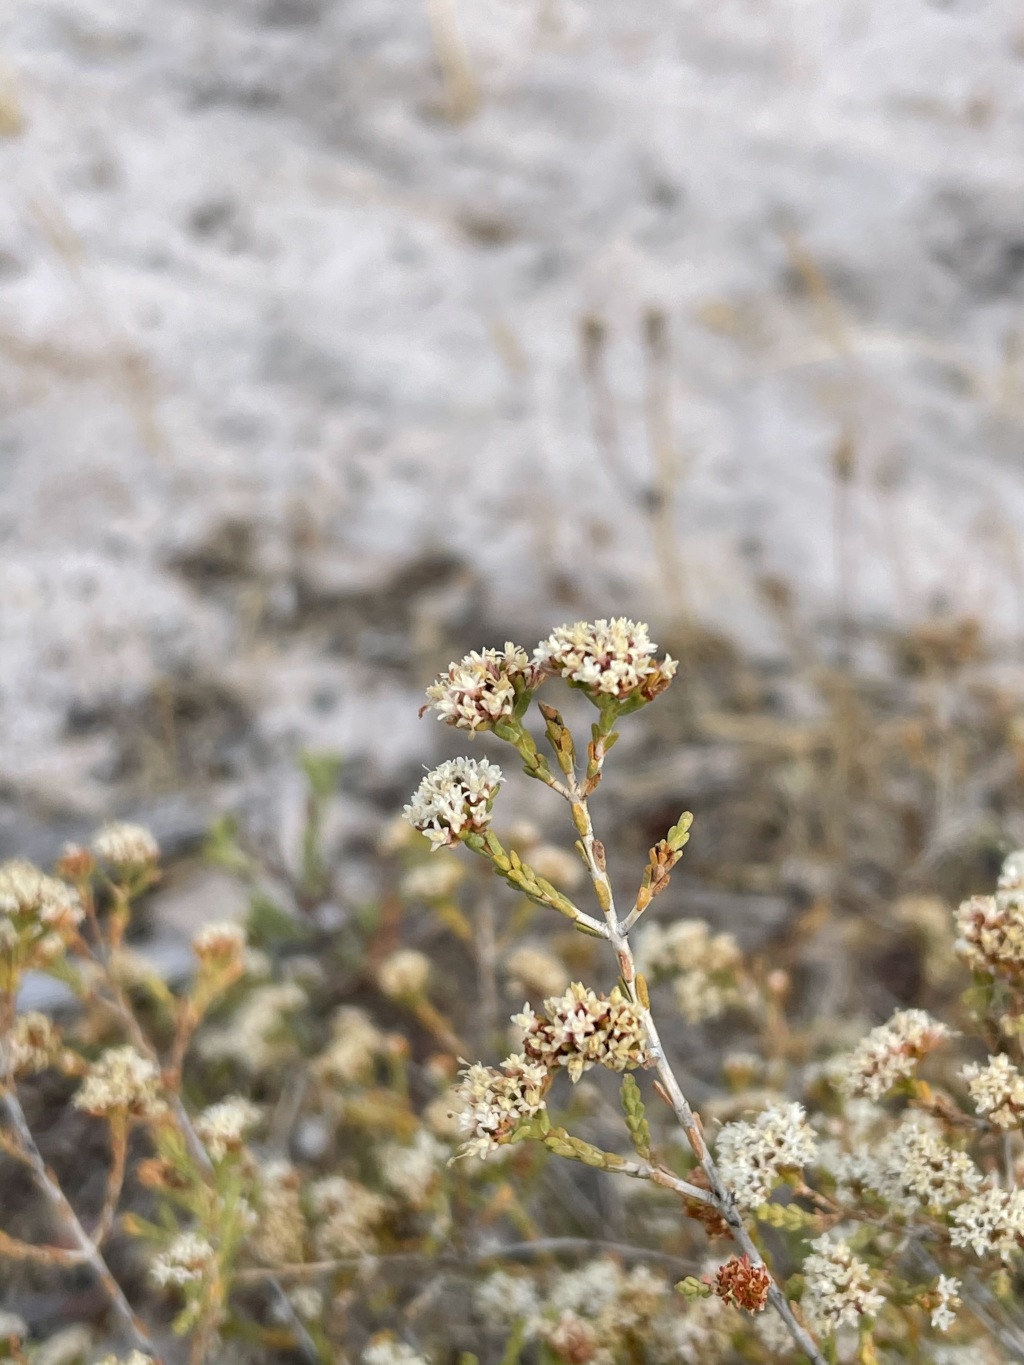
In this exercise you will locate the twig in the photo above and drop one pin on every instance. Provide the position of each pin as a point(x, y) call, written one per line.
point(721, 1197)
point(88, 1250)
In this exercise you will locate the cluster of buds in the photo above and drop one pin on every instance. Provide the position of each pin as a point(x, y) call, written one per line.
point(39, 919)
point(493, 1103)
point(581, 1029)
point(890, 1053)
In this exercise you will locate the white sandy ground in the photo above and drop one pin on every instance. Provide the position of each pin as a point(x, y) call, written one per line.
point(250, 273)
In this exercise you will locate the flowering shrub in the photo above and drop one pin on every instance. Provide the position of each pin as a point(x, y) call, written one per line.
point(307, 1161)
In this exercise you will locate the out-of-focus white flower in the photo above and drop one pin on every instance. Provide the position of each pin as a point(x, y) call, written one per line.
point(121, 1081)
point(223, 1126)
point(535, 971)
point(412, 1170)
point(991, 1221)
point(357, 1041)
point(125, 845)
point(188, 1259)
point(704, 967)
point(947, 1292)
point(404, 973)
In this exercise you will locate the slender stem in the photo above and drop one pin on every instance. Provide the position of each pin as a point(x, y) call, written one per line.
point(115, 1180)
point(723, 1199)
point(88, 1250)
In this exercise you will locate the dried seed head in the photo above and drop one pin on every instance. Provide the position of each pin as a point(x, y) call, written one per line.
point(743, 1284)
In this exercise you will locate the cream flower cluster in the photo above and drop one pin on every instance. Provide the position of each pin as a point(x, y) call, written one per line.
point(491, 1103)
point(606, 658)
point(991, 1222)
point(454, 800)
point(704, 967)
point(222, 1127)
point(581, 1029)
point(997, 1090)
point(346, 1214)
point(838, 1290)
point(483, 688)
point(187, 1260)
point(33, 1044)
point(124, 845)
point(914, 1165)
point(946, 1295)
point(35, 905)
point(121, 1082)
point(990, 933)
point(890, 1053)
point(751, 1156)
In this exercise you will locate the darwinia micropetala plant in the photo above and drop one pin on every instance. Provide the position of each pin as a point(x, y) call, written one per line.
point(862, 1212)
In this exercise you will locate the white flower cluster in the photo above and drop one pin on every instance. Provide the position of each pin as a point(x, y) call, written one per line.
point(454, 800)
point(914, 1165)
point(188, 1260)
point(346, 1214)
point(947, 1300)
point(491, 1103)
point(411, 1171)
point(890, 1053)
point(356, 1042)
point(387, 1352)
point(997, 1090)
point(222, 941)
point(991, 1222)
point(606, 658)
point(404, 973)
point(704, 967)
point(222, 1127)
point(990, 932)
point(482, 688)
point(34, 1043)
point(278, 1235)
point(837, 1287)
point(257, 1037)
point(29, 900)
point(581, 1029)
point(121, 1082)
point(751, 1156)
point(125, 846)
point(587, 1314)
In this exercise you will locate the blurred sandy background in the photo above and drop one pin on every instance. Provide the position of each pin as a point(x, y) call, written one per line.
point(339, 337)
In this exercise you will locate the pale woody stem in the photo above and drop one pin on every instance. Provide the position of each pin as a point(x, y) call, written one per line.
point(723, 1200)
point(91, 1254)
